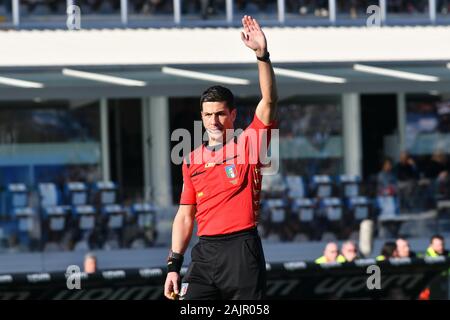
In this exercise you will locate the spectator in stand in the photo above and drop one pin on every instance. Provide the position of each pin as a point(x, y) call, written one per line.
point(389, 250)
point(437, 171)
point(386, 180)
point(437, 247)
point(438, 288)
point(403, 249)
point(406, 169)
point(330, 254)
point(90, 263)
point(349, 251)
point(437, 167)
point(407, 176)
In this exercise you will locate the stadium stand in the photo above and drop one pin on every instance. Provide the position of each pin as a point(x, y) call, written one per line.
point(50, 13)
point(75, 217)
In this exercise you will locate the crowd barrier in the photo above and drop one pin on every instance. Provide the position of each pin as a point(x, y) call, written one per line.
point(397, 279)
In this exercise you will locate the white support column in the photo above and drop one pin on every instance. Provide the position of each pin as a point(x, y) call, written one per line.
point(145, 113)
point(229, 9)
point(124, 11)
point(16, 12)
point(383, 11)
point(104, 138)
point(177, 11)
point(351, 115)
point(160, 162)
point(401, 116)
point(432, 10)
point(281, 11)
point(332, 11)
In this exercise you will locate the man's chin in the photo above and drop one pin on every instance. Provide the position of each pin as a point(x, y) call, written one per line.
point(215, 135)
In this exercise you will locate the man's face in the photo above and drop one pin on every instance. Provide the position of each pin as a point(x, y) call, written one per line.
point(403, 248)
point(438, 246)
point(90, 265)
point(217, 118)
point(349, 251)
point(331, 252)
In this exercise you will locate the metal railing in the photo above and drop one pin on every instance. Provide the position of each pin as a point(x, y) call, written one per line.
point(229, 19)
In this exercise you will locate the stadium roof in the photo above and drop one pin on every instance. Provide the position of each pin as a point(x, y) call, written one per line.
point(190, 80)
point(221, 45)
point(183, 61)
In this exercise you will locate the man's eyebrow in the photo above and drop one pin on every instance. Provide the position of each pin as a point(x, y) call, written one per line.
point(217, 112)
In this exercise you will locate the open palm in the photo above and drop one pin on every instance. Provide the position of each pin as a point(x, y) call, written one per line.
point(253, 36)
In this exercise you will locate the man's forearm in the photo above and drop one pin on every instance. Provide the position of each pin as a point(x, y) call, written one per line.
point(267, 106)
point(267, 81)
point(181, 233)
point(254, 38)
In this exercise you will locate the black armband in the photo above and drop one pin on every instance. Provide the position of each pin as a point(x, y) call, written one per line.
point(174, 262)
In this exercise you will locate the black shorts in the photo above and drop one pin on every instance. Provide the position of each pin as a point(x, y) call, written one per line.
point(226, 267)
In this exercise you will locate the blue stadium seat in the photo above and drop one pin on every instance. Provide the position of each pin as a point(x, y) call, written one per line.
point(25, 217)
point(359, 208)
point(331, 220)
point(277, 210)
point(145, 213)
point(332, 209)
point(86, 216)
point(49, 195)
point(105, 193)
point(349, 185)
point(322, 186)
point(76, 193)
point(57, 217)
point(274, 186)
point(115, 215)
point(387, 206)
point(304, 208)
point(16, 196)
point(296, 187)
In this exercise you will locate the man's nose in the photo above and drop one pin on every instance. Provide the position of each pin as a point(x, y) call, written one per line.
point(214, 119)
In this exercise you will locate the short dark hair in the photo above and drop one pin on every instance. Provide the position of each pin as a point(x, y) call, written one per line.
point(388, 249)
point(218, 94)
point(437, 236)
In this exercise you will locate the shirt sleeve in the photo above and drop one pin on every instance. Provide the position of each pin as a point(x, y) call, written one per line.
point(188, 192)
point(258, 136)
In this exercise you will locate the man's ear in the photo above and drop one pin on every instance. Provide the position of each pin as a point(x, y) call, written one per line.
point(233, 114)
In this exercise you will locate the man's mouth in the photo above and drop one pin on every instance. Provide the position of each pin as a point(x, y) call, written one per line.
point(215, 130)
point(214, 133)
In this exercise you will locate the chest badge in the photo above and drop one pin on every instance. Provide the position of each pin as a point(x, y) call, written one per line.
point(231, 171)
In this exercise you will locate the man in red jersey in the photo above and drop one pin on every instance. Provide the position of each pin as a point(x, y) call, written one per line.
point(222, 183)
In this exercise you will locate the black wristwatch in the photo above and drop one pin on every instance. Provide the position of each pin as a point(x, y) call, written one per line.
point(265, 57)
point(174, 256)
point(174, 262)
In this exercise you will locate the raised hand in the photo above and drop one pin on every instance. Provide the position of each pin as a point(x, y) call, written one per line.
point(253, 36)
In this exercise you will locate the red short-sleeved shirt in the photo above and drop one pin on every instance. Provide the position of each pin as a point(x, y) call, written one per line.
point(225, 184)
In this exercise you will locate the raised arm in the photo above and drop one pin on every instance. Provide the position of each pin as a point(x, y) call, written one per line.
point(254, 38)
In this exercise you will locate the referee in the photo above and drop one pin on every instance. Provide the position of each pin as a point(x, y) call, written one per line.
point(221, 192)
